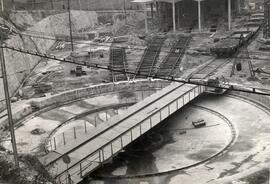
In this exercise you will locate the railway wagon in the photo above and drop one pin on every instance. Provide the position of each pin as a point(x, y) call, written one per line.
point(225, 47)
point(214, 86)
point(229, 45)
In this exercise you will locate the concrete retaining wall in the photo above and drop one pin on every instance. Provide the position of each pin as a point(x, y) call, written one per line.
point(264, 100)
point(17, 113)
point(96, 90)
point(21, 111)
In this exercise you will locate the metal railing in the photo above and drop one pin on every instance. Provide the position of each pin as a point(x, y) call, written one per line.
point(107, 151)
point(61, 139)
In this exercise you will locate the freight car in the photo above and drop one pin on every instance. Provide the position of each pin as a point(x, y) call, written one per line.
point(228, 46)
point(225, 47)
point(216, 86)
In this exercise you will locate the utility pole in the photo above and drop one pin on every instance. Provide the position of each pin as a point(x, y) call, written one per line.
point(9, 112)
point(70, 28)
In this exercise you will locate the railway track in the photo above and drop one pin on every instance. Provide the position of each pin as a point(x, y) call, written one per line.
point(251, 101)
point(234, 135)
point(75, 167)
point(148, 61)
point(209, 69)
point(222, 151)
point(217, 63)
point(174, 88)
point(174, 58)
point(118, 61)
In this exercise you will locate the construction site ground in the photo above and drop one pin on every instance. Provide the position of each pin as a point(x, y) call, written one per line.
point(244, 154)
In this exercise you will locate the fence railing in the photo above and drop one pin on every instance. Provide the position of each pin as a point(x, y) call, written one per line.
point(82, 130)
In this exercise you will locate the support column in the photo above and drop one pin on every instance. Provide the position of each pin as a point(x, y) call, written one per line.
point(179, 16)
point(238, 6)
point(199, 16)
point(152, 11)
point(2, 6)
point(229, 14)
point(52, 5)
point(158, 13)
point(80, 6)
point(174, 22)
point(13, 4)
point(33, 4)
point(146, 22)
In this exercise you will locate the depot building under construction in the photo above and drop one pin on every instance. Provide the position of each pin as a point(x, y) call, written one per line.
point(193, 14)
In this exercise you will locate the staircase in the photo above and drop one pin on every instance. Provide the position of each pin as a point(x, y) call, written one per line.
point(174, 58)
point(148, 61)
point(118, 61)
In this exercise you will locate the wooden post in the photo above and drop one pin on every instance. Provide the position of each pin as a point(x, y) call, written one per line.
point(85, 128)
point(64, 139)
point(74, 129)
point(54, 141)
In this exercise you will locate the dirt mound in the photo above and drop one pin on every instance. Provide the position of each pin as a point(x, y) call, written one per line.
point(59, 24)
point(131, 24)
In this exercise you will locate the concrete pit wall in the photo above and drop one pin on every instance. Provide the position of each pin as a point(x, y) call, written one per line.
point(77, 94)
point(261, 99)
point(96, 90)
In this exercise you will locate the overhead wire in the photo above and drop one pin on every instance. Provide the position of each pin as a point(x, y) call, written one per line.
point(124, 47)
point(259, 91)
